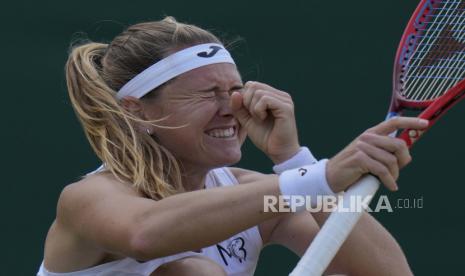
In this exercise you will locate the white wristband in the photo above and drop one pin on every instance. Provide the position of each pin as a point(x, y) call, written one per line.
point(305, 183)
point(302, 158)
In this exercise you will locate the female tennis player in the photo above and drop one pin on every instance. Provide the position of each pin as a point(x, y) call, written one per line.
point(164, 107)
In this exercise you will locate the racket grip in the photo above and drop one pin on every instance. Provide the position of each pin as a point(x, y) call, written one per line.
point(335, 230)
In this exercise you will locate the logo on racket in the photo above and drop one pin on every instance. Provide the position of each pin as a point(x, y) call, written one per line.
point(214, 50)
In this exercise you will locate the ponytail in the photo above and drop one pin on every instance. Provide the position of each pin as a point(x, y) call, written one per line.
point(131, 156)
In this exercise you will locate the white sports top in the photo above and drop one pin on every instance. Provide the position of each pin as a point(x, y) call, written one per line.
point(238, 255)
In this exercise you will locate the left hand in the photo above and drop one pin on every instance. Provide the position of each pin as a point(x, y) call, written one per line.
point(267, 115)
point(374, 152)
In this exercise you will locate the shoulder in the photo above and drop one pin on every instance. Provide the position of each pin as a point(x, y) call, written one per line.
point(95, 185)
point(93, 188)
point(68, 245)
point(245, 176)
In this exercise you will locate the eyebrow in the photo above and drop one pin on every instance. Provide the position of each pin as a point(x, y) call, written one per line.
point(216, 87)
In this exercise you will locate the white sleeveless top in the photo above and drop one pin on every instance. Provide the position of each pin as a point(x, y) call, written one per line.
point(238, 255)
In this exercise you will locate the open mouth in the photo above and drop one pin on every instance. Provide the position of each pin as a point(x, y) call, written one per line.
point(223, 133)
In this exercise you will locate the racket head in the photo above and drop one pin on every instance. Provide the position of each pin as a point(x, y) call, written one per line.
point(429, 68)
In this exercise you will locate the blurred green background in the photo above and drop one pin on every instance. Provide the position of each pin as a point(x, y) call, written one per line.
point(334, 57)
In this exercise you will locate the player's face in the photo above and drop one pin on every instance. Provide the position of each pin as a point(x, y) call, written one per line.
point(197, 104)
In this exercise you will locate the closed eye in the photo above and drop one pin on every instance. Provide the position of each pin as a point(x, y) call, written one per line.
point(236, 88)
point(207, 94)
point(212, 91)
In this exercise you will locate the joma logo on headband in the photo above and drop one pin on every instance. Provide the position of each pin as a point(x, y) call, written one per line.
point(214, 50)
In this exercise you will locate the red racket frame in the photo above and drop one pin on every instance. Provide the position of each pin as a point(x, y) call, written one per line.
point(433, 109)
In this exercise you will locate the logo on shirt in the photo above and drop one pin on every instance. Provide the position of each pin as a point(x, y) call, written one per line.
point(214, 50)
point(234, 250)
point(302, 171)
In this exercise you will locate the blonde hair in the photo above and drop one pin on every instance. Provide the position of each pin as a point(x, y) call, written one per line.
point(96, 71)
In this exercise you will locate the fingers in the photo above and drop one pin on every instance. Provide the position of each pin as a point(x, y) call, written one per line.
point(373, 152)
point(252, 86)
point(389, 126)
point(383, 155)
point(387, 159)
point(261, 105)
point(378, 169)
point(238, 109)
point(260, 98)
point(236, 101)
point(392, 145)
point(278, 108)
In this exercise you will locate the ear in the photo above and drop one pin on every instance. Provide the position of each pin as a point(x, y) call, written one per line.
point(133, 105)
point(137, 108)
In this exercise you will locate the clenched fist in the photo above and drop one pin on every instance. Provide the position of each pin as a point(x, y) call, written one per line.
point(267, 115)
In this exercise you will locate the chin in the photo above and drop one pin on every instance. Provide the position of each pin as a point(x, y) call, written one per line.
point(235, 160)
point(228, 159)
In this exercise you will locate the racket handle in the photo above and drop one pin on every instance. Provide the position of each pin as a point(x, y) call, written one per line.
point(334, 231)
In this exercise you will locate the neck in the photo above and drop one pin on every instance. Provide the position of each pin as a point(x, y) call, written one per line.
point(193, 178)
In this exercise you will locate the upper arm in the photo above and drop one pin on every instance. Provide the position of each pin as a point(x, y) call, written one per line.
point(368, 241)
point(101, 213)
point(295, 231)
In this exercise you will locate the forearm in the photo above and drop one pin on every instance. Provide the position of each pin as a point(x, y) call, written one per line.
point(193, 220)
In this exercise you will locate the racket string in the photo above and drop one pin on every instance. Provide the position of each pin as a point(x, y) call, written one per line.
point(427, 39)
point(423, 81)
point(415, 86)
point(451, 76)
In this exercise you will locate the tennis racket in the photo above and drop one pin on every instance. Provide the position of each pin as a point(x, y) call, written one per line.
point(429, 72)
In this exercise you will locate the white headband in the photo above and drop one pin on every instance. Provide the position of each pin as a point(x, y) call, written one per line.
point(174, 65)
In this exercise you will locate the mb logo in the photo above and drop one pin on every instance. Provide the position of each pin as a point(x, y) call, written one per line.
point(214, 50)
point(235, 249)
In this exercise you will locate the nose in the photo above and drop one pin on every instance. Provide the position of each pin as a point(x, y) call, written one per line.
point(224, 108)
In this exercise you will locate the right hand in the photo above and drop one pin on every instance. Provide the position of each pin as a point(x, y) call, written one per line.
point(267, 115)
point(375, 152)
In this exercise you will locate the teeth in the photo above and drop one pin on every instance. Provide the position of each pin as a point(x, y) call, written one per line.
point(221, 133)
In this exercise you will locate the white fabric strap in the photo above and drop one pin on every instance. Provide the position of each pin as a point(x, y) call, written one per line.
point(174, 65)
point(306, 182)
point(302, 158)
